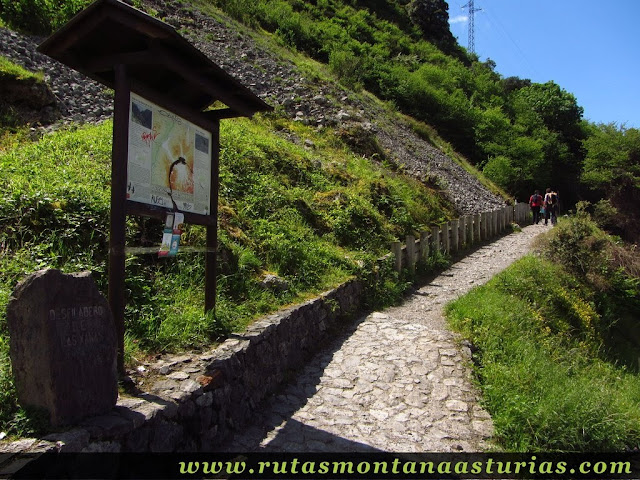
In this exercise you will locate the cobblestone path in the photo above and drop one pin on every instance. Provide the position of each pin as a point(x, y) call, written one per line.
point(398, 381)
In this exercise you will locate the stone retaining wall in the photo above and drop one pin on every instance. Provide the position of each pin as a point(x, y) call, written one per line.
point(194, 402)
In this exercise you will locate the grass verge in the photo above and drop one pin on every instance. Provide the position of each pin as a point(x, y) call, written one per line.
point(548, 357)
point(313, 215)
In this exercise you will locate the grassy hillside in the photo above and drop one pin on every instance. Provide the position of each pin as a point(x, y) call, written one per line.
point(295, 201)
point(522, 135)
point(558, 343)
point(315, 215)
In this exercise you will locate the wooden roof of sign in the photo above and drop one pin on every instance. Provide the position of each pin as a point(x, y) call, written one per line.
point(162, 65)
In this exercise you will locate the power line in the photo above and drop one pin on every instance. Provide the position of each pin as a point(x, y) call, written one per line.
point(503, 31)
point(471, 46)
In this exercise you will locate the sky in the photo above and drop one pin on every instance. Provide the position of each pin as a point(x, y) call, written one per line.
point(591, 48)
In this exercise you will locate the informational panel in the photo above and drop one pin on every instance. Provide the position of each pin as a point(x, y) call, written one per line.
point(169, 162)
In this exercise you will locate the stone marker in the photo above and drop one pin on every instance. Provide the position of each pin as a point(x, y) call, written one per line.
point(63, 346)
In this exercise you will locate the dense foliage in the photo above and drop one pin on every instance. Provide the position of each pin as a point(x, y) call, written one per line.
point(314, 217)
point(523, 135)
point(317, 216)
point(612, 171)
point(557, 340)
point(39, 16)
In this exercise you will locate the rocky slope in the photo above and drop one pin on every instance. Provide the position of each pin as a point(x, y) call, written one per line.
point(279, 82)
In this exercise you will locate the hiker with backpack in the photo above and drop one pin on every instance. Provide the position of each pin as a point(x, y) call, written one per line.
point(550, 207)
point(535, 202)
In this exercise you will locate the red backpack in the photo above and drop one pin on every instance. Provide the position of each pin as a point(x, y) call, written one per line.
point(535, 200)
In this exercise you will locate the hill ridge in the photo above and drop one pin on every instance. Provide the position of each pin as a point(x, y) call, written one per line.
point(279, 82)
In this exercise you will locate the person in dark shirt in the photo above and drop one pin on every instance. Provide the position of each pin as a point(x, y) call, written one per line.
point(535, 202)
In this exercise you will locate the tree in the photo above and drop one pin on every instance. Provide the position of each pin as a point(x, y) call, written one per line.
point(612, 169)
point(558, 108)
point(39, 16)
point(511, 84)
point(612, 164)
point(553, 115)
point(432, 17)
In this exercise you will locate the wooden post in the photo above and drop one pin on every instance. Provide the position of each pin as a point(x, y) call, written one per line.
point(488, 225)
point(435, 239)
point(212, 230)
point(446, 239)
point(496, 222)
point(396, 249)
point(472, 226)
point(472, 229)
point(424, 246)
point(455, 235)
point(486, 222)
point(484, 225)
point(476, 229)
point(463, 231)
point(119, 159)
point(411, 253)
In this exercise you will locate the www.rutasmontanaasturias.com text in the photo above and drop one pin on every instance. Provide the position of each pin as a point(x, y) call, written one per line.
point(397, 466)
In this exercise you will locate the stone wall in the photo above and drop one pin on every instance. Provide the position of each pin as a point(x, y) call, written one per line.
point(195, 402)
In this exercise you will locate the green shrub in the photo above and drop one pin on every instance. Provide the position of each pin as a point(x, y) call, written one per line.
point(348, 67)
point(311, 216)
point(577, 244)
point(539, 363)
point(605, 214)
point(611, 270)
point(383, 286)
point(39, 16)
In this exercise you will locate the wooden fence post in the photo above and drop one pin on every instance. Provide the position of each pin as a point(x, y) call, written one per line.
point(455, 234)
point(475, 228)
point(396, 249)
point(424, 246)
point(411, 253)
point(496, 222)
point(463, 231)
point(446, 239)
point(490, 224)
point(435, 239)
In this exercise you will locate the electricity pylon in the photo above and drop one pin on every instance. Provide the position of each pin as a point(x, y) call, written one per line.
point(472, 10)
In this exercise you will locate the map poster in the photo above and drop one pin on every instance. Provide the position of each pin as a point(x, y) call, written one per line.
point(169, 162)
